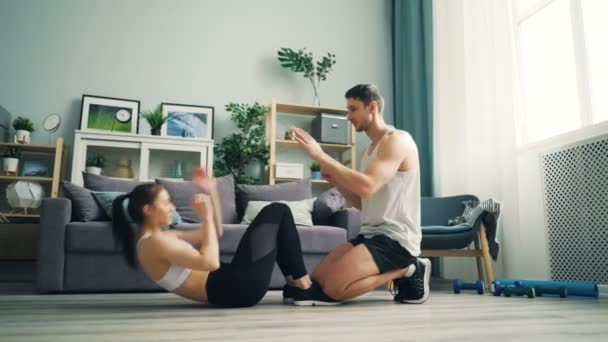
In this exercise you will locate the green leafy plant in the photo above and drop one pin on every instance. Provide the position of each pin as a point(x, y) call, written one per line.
point(156, 120)
point(234, 152)
point(302, 61)
point(96, 160)
point(10, 152)
point(315, 167)
point(25, 124)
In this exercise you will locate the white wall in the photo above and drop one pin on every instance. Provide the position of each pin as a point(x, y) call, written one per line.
point(184, 51)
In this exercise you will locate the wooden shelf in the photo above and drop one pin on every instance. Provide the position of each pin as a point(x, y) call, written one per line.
point(24, 178)
point(314, 181)
point(294, 144)
point(20, 215)
point(309, 110)
point(31, 147)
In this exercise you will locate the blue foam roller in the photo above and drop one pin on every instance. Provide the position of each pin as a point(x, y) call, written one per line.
point(575, 288)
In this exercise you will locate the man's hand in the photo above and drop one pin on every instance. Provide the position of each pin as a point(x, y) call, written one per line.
point(308, 143)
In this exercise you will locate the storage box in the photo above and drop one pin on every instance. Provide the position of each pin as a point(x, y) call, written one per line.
point(289, 170)
point(331, 128)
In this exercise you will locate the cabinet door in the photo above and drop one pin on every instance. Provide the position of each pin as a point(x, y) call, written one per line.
point(174, 161)
point(122, 159)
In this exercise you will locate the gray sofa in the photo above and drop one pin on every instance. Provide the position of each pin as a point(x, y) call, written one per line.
point(77, 255)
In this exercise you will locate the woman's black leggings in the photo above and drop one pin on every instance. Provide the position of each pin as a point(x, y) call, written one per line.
point(272, 236)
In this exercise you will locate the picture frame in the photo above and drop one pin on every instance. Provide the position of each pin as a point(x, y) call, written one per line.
point(188, 121)
point(36, 164)
point(109, 114)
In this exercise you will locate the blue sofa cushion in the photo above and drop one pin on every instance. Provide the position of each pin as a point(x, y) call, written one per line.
point(446, 229)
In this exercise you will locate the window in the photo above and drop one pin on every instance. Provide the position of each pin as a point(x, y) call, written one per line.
point(561, 54)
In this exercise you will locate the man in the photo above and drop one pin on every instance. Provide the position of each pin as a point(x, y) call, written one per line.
point(387, 192)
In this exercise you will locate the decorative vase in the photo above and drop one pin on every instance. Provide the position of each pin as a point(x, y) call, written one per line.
point(93, 170)
point(10, 164)
point(315, 174)
point(123, 169)
point(155, 131)
point(24, 195)
point(177, 169)
point(22, 136)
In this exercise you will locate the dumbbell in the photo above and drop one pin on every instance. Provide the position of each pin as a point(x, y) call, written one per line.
point(478, 285)
point(562, 291)
point(526, 291)
point(497, 288)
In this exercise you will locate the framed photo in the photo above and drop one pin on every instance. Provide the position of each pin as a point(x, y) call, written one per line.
point(108, 114)
point(187, 121)
point(34, 164)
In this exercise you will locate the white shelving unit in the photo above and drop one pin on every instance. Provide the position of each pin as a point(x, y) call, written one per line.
point(151, 156)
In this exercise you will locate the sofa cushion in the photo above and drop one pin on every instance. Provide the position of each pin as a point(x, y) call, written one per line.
point(90, 237)
point(84, 206)
point(106, 199)
point(181, 193)
point(105, 183)
point(327, 204)
point(315, 239)
point(301, 210)
point(292, 191)
point(461, 228)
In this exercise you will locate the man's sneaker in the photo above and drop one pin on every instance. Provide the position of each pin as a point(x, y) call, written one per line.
point(313, 296)
point(414, 289)
point(289, 292)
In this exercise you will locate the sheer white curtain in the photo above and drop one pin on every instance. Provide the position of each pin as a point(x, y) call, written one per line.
point(475, 113)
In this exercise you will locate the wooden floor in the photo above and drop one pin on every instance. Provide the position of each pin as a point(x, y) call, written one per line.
point(374, 317)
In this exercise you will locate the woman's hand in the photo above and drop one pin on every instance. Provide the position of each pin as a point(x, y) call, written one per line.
point(201, 203)
point(201, 179)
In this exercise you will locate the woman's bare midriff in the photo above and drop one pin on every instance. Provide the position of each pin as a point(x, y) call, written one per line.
point(195, 286)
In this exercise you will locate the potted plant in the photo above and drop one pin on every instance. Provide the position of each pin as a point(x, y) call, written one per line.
point(10, 159)
point(302, 61)
point(243, 154)
point(23, 128)
point(315, 170)
point(156, 120)
point(95, 164)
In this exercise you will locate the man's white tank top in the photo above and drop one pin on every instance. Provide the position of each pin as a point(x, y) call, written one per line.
point(394, 210)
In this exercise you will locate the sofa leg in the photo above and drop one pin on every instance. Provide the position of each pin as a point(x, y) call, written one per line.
point(485, 252)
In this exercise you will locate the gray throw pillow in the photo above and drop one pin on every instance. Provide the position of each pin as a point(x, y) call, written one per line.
point(181, 193)
point(105, 183)
point(328, 203)
point(84, 205)
point(292, 191)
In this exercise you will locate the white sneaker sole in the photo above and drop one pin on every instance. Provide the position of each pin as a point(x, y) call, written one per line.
point(427, 280)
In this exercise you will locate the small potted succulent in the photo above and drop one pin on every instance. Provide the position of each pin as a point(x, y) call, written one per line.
point(156, 120)
point(23, 128)
point(10, 159)
point(95, 164)
point(315, 171)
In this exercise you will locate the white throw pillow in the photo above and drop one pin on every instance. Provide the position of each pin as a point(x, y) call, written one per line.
point(301, 210)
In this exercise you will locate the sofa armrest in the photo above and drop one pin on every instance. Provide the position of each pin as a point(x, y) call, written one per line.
point(349, 219)
point(55, 214)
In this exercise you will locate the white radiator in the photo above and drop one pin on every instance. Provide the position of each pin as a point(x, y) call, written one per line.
point(575, 186)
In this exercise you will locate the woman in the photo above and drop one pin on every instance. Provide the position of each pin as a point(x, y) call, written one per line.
point(167, 257)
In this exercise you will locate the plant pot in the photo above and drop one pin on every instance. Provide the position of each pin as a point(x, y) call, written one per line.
point(22, 136)
point(10, 164)
point(93, 170)
point(315, 174)
point(155, 131)
point(254, 169)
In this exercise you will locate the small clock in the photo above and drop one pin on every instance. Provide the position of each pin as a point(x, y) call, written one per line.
point(123, 116)
point(51, 123)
